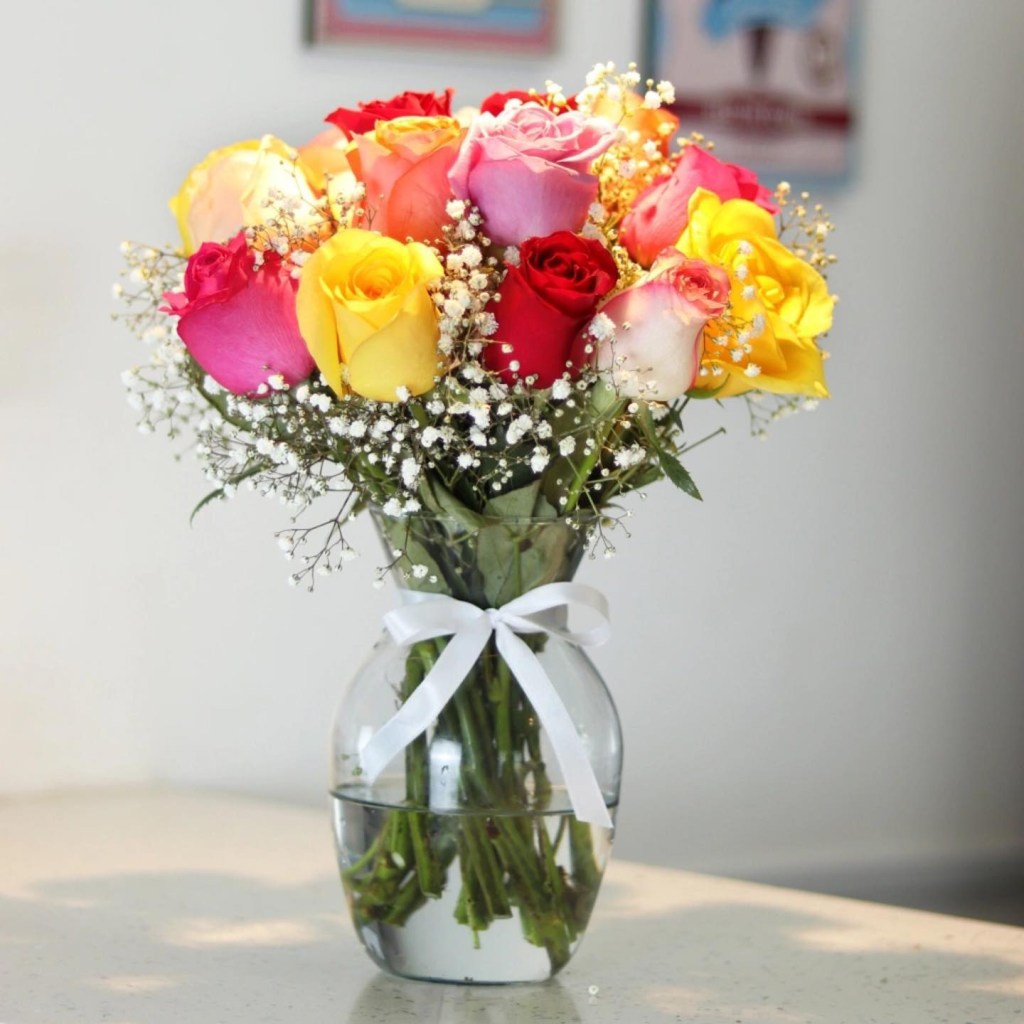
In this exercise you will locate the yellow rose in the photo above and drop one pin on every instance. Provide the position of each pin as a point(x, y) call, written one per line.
point(783, 300)
point(366, 314)
point(229, 189)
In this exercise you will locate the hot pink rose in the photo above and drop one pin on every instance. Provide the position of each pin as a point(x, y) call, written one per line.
point(237, 322)
point(528, 169)
point(659, 215)
point(655, 349)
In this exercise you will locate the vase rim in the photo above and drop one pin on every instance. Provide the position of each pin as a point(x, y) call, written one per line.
point(478, 520)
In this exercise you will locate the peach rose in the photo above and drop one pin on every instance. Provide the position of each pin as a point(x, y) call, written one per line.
point(404, 165)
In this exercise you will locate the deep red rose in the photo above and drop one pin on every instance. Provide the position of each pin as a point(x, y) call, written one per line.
point(406, 104)
point(497, 101)
point(545, 300)
point(238, 322)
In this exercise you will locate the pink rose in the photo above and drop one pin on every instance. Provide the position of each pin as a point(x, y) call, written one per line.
point(528, 170)
point(659, 215)
point(655, 348)
point(237, 322)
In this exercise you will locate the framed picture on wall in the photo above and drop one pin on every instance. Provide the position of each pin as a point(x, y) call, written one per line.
point(513, 26)
point(770, 81)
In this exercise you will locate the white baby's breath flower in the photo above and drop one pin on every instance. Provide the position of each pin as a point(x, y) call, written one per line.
point(561, 389)
point(410, 473)
point(539, 459)
point(518, 428)
point(602, 327)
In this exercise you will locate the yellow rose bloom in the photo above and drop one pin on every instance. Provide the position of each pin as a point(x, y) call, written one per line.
point(228, 191)
point(782, 299)
point(367, 317)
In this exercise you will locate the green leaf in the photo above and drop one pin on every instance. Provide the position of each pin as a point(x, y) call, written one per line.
point(212, 496)
point(219, 492)
point(670, 465)
point(677, 474)
point(705, 392)
point(439, 501)
point(517, 504)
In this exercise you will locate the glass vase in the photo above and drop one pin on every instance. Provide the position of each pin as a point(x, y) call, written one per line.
point(464, 860)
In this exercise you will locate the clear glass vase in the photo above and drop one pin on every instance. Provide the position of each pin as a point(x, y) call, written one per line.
point(463, 861)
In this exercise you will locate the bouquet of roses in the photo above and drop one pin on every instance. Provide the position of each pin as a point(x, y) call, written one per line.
point(472, 314)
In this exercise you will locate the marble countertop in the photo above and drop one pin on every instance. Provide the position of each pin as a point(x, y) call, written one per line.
point(152, 906)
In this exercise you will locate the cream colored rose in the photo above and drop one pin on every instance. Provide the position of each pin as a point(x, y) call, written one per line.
point(231, 188)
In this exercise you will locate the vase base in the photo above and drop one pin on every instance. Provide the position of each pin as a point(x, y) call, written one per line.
point(520, 927)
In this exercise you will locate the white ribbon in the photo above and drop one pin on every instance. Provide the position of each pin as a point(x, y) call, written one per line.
point(470, 628)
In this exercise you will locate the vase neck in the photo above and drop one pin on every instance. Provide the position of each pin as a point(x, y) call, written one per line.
point(488, 563)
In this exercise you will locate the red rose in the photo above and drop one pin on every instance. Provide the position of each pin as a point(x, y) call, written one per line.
point(545, 300)
point(406, 104)
point(237, 322)
point(660, 213)
point(497, 101)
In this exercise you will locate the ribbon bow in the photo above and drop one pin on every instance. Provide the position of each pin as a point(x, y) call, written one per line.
point(470, 628)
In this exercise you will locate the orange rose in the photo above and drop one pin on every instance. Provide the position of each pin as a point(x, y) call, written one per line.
point(404, 165)
point(656, 125)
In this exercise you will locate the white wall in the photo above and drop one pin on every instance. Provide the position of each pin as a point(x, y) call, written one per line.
point(820, 664)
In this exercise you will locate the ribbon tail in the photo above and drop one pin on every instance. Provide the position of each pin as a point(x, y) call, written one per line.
point(587, 799)
point(428, 700)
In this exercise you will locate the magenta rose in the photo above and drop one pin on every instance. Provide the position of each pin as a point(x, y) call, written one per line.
point(406, 104)
point(237, 322)
point(659, 215)
point(545, 300)
point(528, 170)
point(655, 348)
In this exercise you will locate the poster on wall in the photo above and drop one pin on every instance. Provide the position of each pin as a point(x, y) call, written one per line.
point(513, 26)
point(770, 81)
